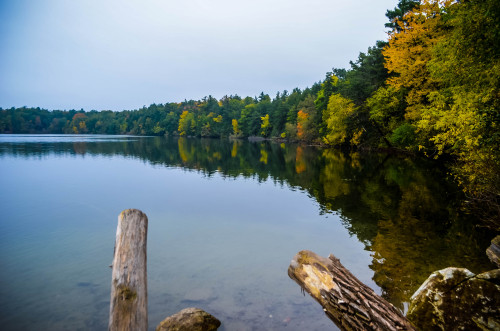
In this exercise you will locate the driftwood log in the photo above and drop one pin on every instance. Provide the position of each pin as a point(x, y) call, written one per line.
point(129, 298)
point(349, 303)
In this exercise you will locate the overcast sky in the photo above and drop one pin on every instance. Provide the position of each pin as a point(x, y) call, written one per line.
point(123, 54)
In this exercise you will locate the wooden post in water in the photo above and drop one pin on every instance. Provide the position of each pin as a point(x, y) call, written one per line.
point(129, 298)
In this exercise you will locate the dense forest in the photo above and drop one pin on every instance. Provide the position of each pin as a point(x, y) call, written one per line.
point(432, 88)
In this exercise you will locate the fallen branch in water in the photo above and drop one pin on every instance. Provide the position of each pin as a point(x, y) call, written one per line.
point(347, 301)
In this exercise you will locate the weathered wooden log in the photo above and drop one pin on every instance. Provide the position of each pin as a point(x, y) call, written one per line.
point(349, 303)
point(129, 299)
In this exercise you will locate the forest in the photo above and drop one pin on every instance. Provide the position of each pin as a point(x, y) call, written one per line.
point(432, 89)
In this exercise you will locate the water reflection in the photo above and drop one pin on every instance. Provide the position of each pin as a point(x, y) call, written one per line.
point(401, 209)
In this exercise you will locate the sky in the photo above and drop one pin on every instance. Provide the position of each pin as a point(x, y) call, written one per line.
point(126, 54)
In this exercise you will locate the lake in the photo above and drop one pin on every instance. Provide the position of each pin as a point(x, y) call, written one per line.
point(225, 219)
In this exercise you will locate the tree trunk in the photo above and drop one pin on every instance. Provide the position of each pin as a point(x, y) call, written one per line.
point(129, 300)
point(348, 302)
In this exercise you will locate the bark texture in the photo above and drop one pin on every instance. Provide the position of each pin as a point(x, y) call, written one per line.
point(348, 302)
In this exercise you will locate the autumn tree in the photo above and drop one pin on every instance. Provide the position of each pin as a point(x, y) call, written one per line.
point(336, 118)
point(187, 124)
point(236, 129)
point(302, 118)
point(265, 127)
point(78, 124)
point(307, 119)
point(464, 117)
point(444, 57)
point(409, 51)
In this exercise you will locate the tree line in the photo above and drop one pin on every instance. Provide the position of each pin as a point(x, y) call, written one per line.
point(432, 88)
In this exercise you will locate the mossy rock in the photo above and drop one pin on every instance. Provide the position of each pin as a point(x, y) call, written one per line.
point(493, 252)
point(189, 319)
point(456, 299)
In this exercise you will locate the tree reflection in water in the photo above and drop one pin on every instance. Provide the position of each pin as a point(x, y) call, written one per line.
point(403, 209)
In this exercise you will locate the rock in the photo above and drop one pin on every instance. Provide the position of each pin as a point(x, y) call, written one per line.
point(456, 299)
point(189, 319)
point(493, 251)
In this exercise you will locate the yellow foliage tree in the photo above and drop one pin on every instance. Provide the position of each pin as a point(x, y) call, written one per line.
point(336, 117)
point(187, 124)
point(410, 49)
point(236, 130)
point(446, 59)
point(265, 125)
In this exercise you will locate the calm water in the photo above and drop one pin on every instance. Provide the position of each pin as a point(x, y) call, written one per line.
point(225, 219)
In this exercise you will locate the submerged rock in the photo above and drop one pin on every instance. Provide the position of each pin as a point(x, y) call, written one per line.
point(456, 299)
point(189, 319)
point(493, 251)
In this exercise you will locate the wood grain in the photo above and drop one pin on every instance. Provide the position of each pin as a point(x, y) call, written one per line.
point(129, 299)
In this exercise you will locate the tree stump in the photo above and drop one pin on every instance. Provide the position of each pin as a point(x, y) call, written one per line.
point(129, 299)
point(349, 303)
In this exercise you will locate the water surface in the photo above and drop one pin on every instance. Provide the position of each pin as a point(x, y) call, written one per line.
point(225, 219)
